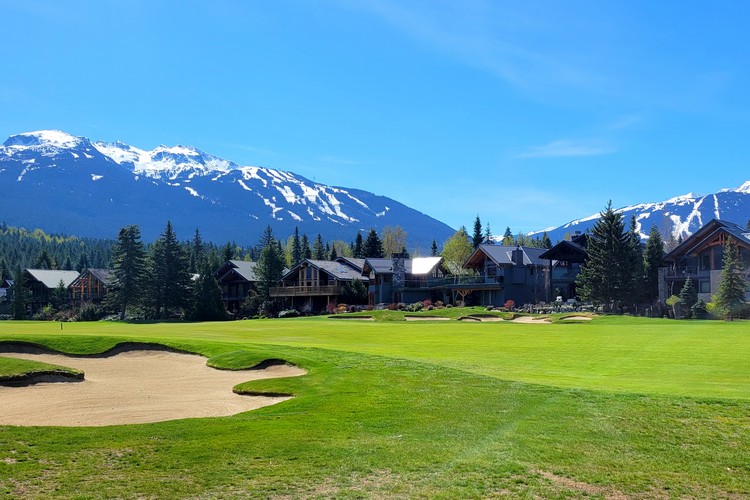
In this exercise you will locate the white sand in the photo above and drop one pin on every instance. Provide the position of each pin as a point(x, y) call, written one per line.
point(531, 320)
point(577, 318)
point(134, 387)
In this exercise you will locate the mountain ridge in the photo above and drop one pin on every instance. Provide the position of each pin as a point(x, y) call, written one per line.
point(225, 200)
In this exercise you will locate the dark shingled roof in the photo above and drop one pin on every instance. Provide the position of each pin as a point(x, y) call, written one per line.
point(503, 254)
point(245, 269)
point(339, 270)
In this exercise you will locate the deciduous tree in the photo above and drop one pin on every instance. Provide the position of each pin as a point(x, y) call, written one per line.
point(456, 250)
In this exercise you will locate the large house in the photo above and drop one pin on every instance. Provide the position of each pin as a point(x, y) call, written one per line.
point(313, 284)
point(400, 279)
point(505, 273)
point(700, 258)
point(236, 279)
point(565, 260)
point(91, 286)
point(41, 283)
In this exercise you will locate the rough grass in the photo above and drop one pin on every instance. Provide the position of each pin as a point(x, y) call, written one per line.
point(420, 410)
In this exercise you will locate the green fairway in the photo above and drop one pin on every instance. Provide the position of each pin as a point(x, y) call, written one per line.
point(616, 406)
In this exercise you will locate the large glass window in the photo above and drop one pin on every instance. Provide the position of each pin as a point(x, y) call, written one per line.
point(704, 287)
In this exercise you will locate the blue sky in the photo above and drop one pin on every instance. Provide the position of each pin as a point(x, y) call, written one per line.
point(528, 114)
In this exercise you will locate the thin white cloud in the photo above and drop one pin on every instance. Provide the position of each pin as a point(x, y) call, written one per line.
point(565, 148)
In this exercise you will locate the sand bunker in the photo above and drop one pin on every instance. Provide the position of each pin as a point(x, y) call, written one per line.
point(134, 387)
point(577, 318)
point(531, 320)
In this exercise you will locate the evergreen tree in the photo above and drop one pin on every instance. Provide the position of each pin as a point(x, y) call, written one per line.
point(333, 255)
point(318, 252)
point(270, 266)
point(228, 251)
point(206, 303)
point(129, 270)
point(197, 252)
point(434, 248)
point(652, 261)
point(488, 235)
point(20, 299)
point(634, 265)
point(83, 263)
point(605, 277)
point(731, 294)
point(68, 265)
point(507, 236)
point(456, 250)
point(359, 248)
point(546, 242)
point(373, 248)
point(477, 237)
point(169, 277)
point(296, 248)
point(306, 250)
point(59, 296)
point(43, 261)
point(688, 297)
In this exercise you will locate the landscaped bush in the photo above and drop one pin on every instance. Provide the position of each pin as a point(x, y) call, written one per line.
point(426, 303)
point(331, 308)
point(699, 310)
point(417, 306)
point(439, 303)
point(289, 313)
point(392, 307)
point(90, 312)
point(510, 304)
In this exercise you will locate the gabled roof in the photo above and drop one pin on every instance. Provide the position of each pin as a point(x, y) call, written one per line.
point(502, 255)
point(339, 270)
point(103, 275)
point(565, 250)
point(243, 268)
point(418, 266)
point(51, 278)
point(357, 264)
point(697, 240)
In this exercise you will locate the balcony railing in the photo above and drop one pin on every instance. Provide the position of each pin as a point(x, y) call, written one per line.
point(304, 291)
point(684, 271)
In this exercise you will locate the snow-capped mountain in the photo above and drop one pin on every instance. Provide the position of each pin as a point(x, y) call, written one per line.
point(59, 182)
point(679, 216)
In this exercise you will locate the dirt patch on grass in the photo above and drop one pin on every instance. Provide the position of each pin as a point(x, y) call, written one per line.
point(588, 489)
point(426, 318)
point(134, 386)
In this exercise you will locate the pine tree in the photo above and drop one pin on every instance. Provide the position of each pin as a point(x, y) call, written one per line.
point(488, 235)
point(546, 242)
point(373, 248)
point(604, 278)
point(507, 236)
point(652, 261)
point(169, 277)
point(359, 248)
point(20, 298)
point(633, 270)
point(477, 237)
point(333, 255)
point(318, 252)
point(129, 270)
point(306, 250)
point(197, 252)
point(434, 248)
point(43, 261)
point(228, 251)
point(206, 301)
point(688, 297)
point(59, 296)
point(731, 294)
point(296, 248)
point(270, 266)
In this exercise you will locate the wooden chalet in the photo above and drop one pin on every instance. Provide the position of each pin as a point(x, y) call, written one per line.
point(6, 290)
point(700, 258)
point(236, 279)
point(91, 286)
point(41, 282)
point(405, 280)
point(503, 273)
point(313, 284)
point(565, 260)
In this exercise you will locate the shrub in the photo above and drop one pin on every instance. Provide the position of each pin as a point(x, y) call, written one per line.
point(699, 310)
point(439, 303)
point(331, 308)
point(426, 303)
point(400, 306)
point(288, 313)
point(90, 312)
point(417, 306)
point(509, 304)
point(392, 307)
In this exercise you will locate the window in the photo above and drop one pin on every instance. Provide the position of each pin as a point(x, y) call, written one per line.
point(704, 287)
point(705, 262)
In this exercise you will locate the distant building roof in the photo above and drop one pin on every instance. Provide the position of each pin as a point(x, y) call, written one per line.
point(697, 240)
point(245, 268)
point(358, 264)
point(417, 266)
point(103, 275)
point(502, 255)
point(342, 271)
point(51, 278)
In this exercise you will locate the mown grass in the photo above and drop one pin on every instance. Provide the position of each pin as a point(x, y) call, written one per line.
point(14, 369)
point(420, 410)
